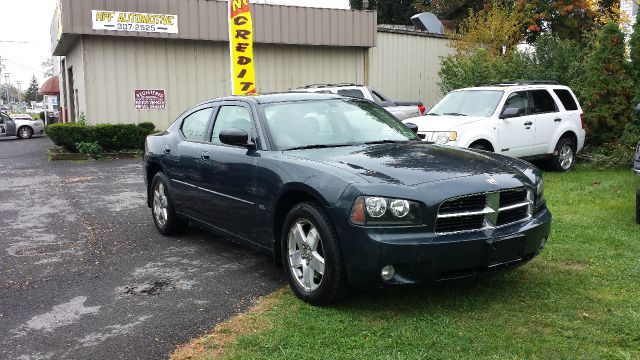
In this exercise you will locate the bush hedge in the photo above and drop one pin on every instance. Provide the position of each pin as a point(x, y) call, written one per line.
point(111, 137)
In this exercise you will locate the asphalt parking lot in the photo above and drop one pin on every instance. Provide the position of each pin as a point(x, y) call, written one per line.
point(85, 275)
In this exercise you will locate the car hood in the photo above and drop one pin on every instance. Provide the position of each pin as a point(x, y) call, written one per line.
point(442, 123)
point(407, 164)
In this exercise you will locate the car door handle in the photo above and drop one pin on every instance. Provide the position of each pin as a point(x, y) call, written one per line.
point(528, 123)
point(167, 150)
point(205, 156)
point(557, 119)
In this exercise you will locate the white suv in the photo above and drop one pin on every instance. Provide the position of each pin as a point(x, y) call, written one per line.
point(522, 119)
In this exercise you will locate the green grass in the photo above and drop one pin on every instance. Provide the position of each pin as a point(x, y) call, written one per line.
point(580, 299)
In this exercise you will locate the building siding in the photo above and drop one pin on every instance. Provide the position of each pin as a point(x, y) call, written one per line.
point(405, 66)
point(207, 20)
point(193, 71)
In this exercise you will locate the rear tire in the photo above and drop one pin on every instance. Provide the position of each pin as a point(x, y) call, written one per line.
point(312, 257)
point(163, 211)
point(564, 157)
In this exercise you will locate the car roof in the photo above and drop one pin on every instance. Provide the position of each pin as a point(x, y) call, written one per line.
point(276, 97)
point(518, 86)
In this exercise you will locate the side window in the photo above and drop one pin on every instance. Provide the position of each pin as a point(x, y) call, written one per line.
point(567, 99)
point(542, 102)
point(236, 117)
point(518, 100)
point(355, 93)
point(194, 126)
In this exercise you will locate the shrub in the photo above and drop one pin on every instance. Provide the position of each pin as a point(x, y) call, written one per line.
point(554, 59)
point(92, 148)
point(110, 137)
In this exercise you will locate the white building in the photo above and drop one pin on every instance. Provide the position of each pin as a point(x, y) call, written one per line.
point(630, 9)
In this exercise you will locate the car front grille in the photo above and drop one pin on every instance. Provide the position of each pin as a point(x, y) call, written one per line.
point(484, 211)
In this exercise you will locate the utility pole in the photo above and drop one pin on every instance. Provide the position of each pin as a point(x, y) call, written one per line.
point(6, 78)
point(1, 67)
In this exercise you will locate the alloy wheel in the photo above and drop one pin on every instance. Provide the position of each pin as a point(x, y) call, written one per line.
point(306, 255)
point(24, 133)
point(566, 157)
point(160, 204)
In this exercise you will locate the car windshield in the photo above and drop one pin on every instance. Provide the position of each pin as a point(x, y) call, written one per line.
point(330, 123)
point(468, 103)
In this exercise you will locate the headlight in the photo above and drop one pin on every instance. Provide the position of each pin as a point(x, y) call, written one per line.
point(441, 137)
point(375, 210)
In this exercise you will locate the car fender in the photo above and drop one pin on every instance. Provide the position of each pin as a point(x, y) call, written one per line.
point(561, 130)
point(475, 134)
point(302, 187)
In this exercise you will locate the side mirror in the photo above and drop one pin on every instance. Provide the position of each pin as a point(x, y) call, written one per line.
point(638, 109)
point(509, 113)
point(234, 137)
point(413, 127)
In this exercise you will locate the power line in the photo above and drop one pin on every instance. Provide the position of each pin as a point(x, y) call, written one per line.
point(26, 67)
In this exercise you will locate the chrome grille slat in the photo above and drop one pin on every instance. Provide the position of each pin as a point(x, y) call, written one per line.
point(482, 211)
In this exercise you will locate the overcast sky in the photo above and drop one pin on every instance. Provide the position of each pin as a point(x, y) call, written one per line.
point(25, 40)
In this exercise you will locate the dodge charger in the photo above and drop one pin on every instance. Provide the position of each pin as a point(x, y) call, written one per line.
point(342, 194)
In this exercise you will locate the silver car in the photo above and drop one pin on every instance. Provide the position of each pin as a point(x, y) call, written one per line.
point(21, 126)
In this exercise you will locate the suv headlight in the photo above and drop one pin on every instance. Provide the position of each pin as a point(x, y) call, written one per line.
point(441, 137)
point(375, 210)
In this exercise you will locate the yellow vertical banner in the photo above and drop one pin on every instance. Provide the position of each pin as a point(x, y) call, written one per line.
point(243, 76)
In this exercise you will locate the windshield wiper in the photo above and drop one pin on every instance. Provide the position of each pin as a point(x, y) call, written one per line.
point(317, 146)
point(431, 114)
point(385, 142)
point(456, 114)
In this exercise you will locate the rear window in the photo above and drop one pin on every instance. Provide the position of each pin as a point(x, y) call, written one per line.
point(567, 99)
point(543, 102)
point(351, 93)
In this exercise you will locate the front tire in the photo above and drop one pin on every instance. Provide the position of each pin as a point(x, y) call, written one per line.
point(564, 157)
point(479, 146)
point(162, 209)
point(312, 257)
point(25, 132)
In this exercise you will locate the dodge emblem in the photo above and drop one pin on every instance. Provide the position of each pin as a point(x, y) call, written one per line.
point(492, 181)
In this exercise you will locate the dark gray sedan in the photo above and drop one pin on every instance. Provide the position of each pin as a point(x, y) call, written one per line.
point(342, 193)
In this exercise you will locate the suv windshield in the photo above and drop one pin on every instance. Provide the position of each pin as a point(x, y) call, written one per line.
point(468, 103)
point(331, 123)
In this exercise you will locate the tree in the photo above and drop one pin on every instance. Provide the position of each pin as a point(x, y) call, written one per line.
point(496, 28)
point(14, 92)
point(31, 94)
point(398, 12)
point(566, 19)
point(48, 68)
point(455, 10)
point(608, 88)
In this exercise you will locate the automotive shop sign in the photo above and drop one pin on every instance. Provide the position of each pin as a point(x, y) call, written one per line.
point(243, 76)
point(133, 21)
point(150, 99)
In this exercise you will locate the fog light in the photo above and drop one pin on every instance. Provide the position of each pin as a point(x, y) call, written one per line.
point(388, 272)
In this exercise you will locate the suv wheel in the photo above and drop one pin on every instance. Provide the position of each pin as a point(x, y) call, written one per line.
point(564, 157)
point(164, 213)
point(311, 255)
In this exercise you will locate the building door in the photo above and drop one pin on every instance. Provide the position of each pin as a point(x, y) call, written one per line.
point(72, 97)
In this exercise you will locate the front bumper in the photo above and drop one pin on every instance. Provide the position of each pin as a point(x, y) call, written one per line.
point(420, 256)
